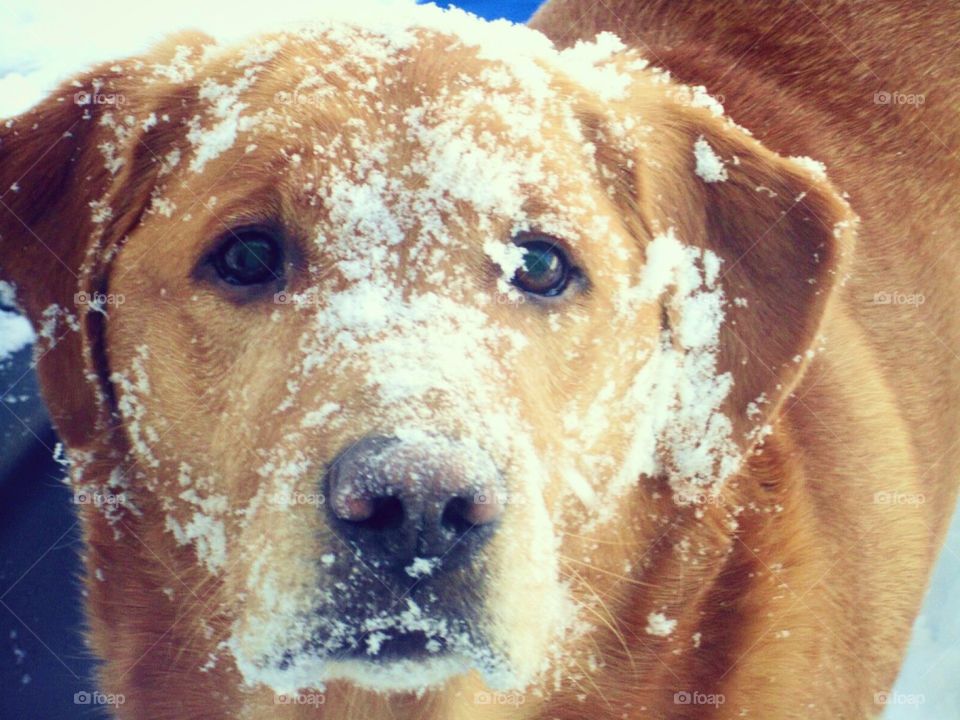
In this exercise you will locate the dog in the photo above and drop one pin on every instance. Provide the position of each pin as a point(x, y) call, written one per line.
point(412, 367)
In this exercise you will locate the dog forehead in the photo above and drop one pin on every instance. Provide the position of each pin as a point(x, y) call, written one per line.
point(304, 101)
point(392, 147)
point(359, 97)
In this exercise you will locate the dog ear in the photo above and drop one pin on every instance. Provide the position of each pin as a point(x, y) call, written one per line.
point(777, 226)
point(75, 178)
point(782, 233)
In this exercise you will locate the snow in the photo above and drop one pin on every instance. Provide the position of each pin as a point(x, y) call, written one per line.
point(927, 686)
point(19, 655)
point(100, 212)
point(15, 333)
point(317, 418)
point(225, 109)
point(676, 397)
point(45, 42)
point(701, 98)
point(208, 536)
point(422, 567)
point(659, 625)
point(709, 165)
point(816, 169)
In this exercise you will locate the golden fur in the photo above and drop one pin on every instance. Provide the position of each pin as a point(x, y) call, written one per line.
point(794, 593)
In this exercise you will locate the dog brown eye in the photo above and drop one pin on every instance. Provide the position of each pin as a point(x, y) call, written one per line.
point(249, 257)
point(545, 269)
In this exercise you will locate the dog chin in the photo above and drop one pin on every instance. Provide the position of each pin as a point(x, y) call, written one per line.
point(416, 675)
point(394, 676)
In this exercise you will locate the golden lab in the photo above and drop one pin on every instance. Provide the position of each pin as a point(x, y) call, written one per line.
point(416, 368)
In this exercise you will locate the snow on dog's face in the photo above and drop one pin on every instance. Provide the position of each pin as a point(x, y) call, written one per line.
point(404, 249)
point(434, 341)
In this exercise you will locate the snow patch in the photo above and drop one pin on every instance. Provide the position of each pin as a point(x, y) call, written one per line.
point(15, 333)
point(659, 625)
point(710, 167)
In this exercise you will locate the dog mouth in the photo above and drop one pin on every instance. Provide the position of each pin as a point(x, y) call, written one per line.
point(357, 628)
point(406, 652)
point(416, 641)
point(419, 627)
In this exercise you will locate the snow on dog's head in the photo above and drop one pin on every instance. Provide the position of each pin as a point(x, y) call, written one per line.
point(433, 340)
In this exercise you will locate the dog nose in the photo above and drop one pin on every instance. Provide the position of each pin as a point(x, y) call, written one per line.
point(395, 500)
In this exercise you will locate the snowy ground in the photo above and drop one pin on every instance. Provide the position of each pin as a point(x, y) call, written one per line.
point(929, 684)
point(43, 41)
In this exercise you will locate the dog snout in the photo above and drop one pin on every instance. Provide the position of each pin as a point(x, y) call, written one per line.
point(397, 500)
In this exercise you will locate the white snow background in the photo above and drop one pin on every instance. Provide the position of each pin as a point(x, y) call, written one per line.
point(45, 41)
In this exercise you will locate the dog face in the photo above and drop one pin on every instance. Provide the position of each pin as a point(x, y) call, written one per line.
point(423, 357)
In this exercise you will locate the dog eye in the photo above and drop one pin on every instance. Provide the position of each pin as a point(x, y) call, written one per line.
point(545, 270)
point(251, 256)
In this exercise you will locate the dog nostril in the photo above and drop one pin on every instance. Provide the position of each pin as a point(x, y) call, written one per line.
point(461, 514)
point(386, 513)
point(456, 515)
